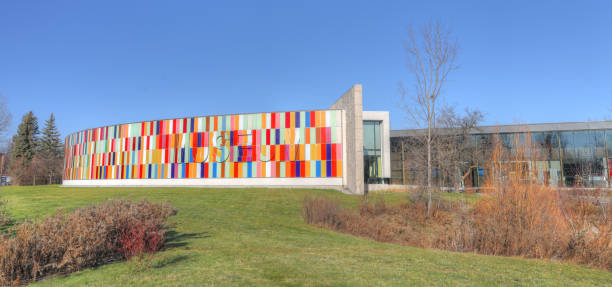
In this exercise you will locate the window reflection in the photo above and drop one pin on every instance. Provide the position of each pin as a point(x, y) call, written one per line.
point(565, 158)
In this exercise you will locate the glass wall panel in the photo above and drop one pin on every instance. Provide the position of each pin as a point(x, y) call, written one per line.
point(609, 142)
point(372, 152)
point(584, 155)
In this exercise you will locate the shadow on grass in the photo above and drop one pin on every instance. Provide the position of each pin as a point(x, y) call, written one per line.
point(176, 239)
point(169, 261)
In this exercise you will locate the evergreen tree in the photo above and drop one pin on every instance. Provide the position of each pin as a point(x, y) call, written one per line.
point(23, 151)
point(48, 161)
point(50, 144)
point(25, 141)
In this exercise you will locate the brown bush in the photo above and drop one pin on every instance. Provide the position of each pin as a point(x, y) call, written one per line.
point(404, 224)
point(523, 217)
point(588, 215)
point(525, 221)
point(316, 210)
point(517, 216)
point(520, 220)
point(65, 242)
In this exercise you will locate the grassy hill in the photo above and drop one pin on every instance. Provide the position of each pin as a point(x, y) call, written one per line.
point(256, 237)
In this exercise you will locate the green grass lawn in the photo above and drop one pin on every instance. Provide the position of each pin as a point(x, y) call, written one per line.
point(256, 237)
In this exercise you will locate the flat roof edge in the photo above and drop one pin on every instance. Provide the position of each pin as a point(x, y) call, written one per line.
point(541, 127)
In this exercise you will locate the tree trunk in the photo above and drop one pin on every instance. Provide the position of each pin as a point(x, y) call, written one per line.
point(428, 165)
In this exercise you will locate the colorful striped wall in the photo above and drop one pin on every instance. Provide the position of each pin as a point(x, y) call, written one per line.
point(264, 145)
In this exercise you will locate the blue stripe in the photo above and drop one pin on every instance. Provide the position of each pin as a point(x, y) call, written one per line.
point(329, 165)
point(277, 135)
point(318, 168)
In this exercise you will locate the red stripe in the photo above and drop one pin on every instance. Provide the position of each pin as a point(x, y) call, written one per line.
point(302, 169)
point(333, 152)
point(273, 117)
point(313, 119)
point(334, 173)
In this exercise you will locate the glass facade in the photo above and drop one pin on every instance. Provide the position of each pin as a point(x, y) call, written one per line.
point(372, 152)
point(564, 158)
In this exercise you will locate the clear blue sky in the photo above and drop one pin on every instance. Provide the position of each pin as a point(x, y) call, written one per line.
point(110, 62)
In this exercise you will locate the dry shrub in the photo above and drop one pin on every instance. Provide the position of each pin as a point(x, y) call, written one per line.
point(517, 216)
point(89, 236)
point(588, 216)
point(523, 217)
point(404, 224)
point(317, 210)
point(520, 220)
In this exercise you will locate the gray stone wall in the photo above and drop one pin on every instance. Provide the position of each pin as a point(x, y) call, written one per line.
point(351, 103)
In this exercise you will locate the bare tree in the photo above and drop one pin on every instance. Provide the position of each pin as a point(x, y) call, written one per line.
point(431, 57)
point(5, 120)
point(5, 115)
point(454, 149)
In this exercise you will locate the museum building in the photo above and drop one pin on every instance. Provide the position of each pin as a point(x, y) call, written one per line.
point(341, 147)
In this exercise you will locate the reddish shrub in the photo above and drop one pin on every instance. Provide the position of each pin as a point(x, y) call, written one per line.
point(140, 237)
